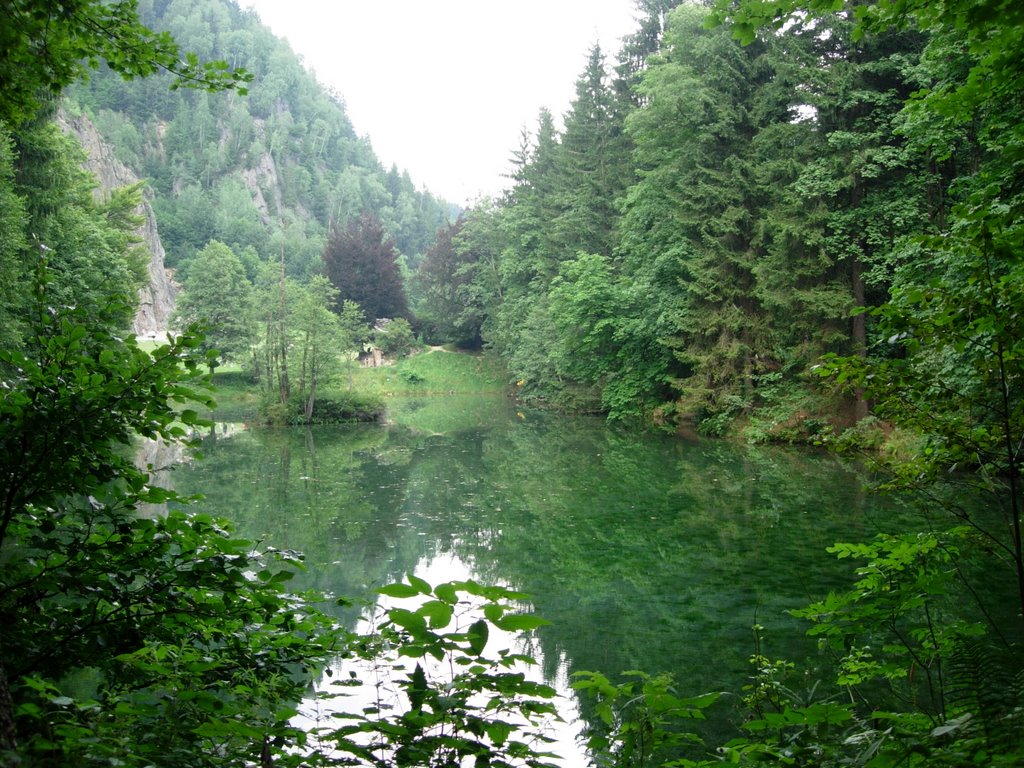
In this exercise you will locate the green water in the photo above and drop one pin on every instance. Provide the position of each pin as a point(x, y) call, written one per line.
point(645, 551)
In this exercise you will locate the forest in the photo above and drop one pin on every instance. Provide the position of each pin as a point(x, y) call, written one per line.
point(772, 220)
point(716, 215)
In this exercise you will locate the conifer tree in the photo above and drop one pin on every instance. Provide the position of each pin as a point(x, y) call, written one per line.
point(853, 191)
point(696, 205)
point(450, 302)
point(593, 168)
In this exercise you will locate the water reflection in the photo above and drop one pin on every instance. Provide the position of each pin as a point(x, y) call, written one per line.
point(381, 689)
point(160, 458)
point(644, 551)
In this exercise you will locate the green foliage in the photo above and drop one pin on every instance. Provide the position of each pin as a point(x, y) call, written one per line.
point(218, 294)
point(562, 205)
point(866, 435)
point(238, 169)
point(788, 414)
point(450, 303)
point(640, 721)
point(170, 641)
point(591, 168)
point(50, 212)
point(395, 337)
point(914, 684)
point(891, 625)
point(743, 199)
point(953, 691)
point(164, 641)
point(332, 406)
point(339, 407)
point(323, 341)
point(956, 380)
point(301, 340)
point(704, 248)
point(76, 392)
point(787, 726)
point(13, 240)
point(447, 690)
point(47, 47)
point(984, 697)
point(585, 305)
point(182, 647)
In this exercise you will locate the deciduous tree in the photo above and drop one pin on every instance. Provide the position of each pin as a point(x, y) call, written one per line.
point(360, 262)
point(218, 294)
point(47, 46)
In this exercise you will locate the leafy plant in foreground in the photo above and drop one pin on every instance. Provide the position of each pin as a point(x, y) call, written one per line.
point(124, 639)
point(442, 690)
point(641, 719)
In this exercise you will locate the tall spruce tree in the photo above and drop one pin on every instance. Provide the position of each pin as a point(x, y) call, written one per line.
point(593, 165)
point(859, 191)
point(697, 206)
point(451, 305)
point(527, 260)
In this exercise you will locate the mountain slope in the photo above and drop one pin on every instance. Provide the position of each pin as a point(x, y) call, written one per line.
point(156, 298)
point(275, 169)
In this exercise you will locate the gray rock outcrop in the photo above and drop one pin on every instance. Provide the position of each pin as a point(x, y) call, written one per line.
point(156, 300)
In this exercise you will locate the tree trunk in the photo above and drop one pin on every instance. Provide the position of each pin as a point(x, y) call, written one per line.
point(303, 370)
point(860, 333)
point(311, 400)
point(8, 734)
point(268, 353)
point(284, 389)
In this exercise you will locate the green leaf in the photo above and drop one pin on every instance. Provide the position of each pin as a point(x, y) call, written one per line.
point(478, 634)
point(447, 592)
point(420, 585)
point(493, 612)
point(417, 688)
point(399, 590)
point(407, 619)
point(437, 612)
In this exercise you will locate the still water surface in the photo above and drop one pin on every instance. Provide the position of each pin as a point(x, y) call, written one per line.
point(644, 550)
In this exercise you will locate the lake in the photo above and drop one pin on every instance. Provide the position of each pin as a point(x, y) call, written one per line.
point(645, 550)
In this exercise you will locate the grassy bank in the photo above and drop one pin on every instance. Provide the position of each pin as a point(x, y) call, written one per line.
point(238, 397)
point(434, 372)
point(430, 373)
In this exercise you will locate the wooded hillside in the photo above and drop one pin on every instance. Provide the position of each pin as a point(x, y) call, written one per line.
point(275, 168)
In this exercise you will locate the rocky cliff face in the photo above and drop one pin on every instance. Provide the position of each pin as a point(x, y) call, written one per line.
point(156, 300)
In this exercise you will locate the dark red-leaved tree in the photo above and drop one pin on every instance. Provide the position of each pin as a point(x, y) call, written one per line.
point(361, 263)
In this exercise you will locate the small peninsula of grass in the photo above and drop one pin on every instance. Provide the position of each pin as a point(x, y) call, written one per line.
point(435, 371)
point(356, 393)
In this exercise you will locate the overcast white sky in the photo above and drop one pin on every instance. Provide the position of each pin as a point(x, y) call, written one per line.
point(444, 88)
